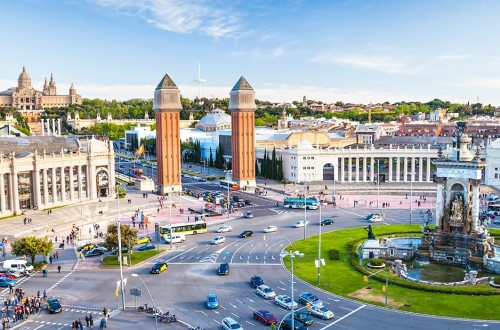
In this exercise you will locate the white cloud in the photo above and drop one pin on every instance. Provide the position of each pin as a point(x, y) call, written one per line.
point(179, 16)
point(278, 51)
point(488, 83)
point(383, 64)
point(453, 56)
point(259, 53)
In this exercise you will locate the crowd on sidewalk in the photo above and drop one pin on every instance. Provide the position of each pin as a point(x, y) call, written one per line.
point(18, 306)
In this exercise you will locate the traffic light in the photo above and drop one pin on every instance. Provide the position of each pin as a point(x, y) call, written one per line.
point(365, 278)
point(308, 306)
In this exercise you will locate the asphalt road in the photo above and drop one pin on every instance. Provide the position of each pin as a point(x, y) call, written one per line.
point(192, 275)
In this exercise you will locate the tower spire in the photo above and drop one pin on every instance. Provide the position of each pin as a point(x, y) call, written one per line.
point(199, 81)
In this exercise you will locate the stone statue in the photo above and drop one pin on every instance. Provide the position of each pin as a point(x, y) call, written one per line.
point(457, 207)
point(370, 232)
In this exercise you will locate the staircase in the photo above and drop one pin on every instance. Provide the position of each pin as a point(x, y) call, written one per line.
point(36, 128)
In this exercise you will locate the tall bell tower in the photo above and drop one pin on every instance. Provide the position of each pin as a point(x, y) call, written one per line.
point(242, 107)
point(167, 107)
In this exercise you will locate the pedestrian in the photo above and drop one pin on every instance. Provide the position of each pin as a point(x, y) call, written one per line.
point(87, 320)
point(91, 320)
point(25, 221)
point(59, 268)
point(57, 254)
point(103, 324)
point(80, 323)
point(11, 288)
point(188, 219)
point(50, 260)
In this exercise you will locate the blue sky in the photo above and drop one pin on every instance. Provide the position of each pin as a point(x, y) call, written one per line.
point(328, 50)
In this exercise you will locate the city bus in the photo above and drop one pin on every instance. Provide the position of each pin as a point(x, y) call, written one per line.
point(229, 184)
point(298, 203)
point(186, 228)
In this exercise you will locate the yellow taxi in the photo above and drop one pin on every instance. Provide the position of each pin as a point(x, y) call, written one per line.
point(143, 239)
point(159, 267)
point(87, 247)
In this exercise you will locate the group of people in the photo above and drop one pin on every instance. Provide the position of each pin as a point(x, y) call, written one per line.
point(77, 324)
point(18, 306)
point(27, 220)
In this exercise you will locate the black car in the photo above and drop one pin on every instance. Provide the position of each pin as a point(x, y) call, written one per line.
point(223, 268)
point(248, 202)
point(95, 252)
point(286, 324)
point(256, 280)
point(53, 305)
point(327, 222)
point(159, 267)
point(303, 317)
point(237, 198)
point(246, 233)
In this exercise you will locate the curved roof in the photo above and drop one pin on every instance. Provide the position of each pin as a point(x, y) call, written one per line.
point(216, 117)
point(30, 144)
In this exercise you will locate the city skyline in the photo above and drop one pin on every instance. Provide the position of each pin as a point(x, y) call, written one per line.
point(350, 51)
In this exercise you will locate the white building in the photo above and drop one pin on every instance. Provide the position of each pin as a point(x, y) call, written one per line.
point(492, 175)
point(48, 171)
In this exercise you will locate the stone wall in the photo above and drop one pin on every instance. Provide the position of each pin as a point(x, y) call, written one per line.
point(492, 265)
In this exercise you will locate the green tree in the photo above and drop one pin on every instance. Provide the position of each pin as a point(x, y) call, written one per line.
point(274, 165)
point(211, 159)
point(263, 170)
point(129, 236)
point(30, 246)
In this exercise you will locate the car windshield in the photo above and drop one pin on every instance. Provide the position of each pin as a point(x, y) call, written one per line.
point(267, 290)
point(268, 315)
point(287, 299)
point(235, 326)
point(212, 299)
point(323, 309)
point(313, 298)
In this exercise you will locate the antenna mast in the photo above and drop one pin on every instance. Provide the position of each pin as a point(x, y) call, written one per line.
point(199, 82)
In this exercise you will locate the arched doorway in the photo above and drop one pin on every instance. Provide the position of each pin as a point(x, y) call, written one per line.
point(328, 172)
point(102, 183)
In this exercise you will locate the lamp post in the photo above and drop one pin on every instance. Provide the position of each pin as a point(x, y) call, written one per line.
point(227, 179)
point(292, 254)
point(151, 296)
point(170, 217)
point(305, 211)
point(411, 196)
point(319, 261)
point(386, 283)
point(122, 289)
point(378, 180)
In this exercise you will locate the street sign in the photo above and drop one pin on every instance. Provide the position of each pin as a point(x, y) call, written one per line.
point(135, 292)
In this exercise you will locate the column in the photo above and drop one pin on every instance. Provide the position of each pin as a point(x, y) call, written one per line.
point(79, 178)
point(398, 169)
point(357, 169)
point(71, 185)
point(54, 185)
point(428, 169)
point(53, 127)
point(413, 159)
point(364, 169)
point(439, 204)
point(2, 194)
point(476, 203)
point(63, 184)
point(390, 169)
point(14, 192)
point(420, 169)
point(38, 195)
point(405, 169)
point(91, 184)
point(372, 169)
point(342, 166)
point(45, 187)
point(59, 126)
point(349, 170)
point(43, 127)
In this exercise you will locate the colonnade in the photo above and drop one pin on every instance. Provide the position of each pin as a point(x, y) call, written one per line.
point(402, 169)
point(51, 127)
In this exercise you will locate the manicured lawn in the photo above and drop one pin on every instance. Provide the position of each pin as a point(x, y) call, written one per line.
point(137, 256)
point(339, 277)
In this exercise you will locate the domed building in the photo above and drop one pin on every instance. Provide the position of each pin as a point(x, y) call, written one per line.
point(25, 98)
point(217, 120)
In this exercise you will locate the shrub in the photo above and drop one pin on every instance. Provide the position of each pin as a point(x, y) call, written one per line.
point(211, 178)
point(496, 280)
point(39, 265)
point(376, 262)
point(334, 254)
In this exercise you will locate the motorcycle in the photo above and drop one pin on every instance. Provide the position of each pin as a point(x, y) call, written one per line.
point(168, 318)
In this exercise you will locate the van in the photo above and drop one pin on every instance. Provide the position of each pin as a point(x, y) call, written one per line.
point(176, 238)
point(17, 264)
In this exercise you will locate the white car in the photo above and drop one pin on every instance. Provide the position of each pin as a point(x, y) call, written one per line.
point(224, 229)
point(376, 218)
point(265, 291)
point(218, 240)
point(300, 224)
point(496, 222)
point(270, 229)
point(285, 302)
point(321, 312)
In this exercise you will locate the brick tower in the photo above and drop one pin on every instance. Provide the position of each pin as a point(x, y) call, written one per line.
point(242, 107)
point(167, 107)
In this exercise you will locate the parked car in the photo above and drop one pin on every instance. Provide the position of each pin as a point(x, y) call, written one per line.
point(285, 302)
point(303, 317)
point(224, 229)
point(249, 214)
point(230, 324)
point(256, 280)
point(300, 224)
point(270, 229)
point(265, 291)
point(246, 233)
point(218, 240)
point(321, 312)
point(264, 316)
point(286, 324)
point(223, 269)
point(147, 246)
point(212, 301)
point(159, 267)
point(327, 222)
point(308, 297)
point(4, 282)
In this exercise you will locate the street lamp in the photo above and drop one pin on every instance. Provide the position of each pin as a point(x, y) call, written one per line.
point(386, 283)
point(319, 262)
point(122, 289)
point(170, 218)
point(411, 196)
point(151, 296)
point(292, 254)
point(305, 212)
point(378, 180)
point(228, 172)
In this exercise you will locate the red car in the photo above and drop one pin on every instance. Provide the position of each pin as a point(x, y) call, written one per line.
point(265, 317)
point(9, 277)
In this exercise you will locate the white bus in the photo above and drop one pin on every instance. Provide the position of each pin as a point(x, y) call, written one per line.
point(229, 184)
